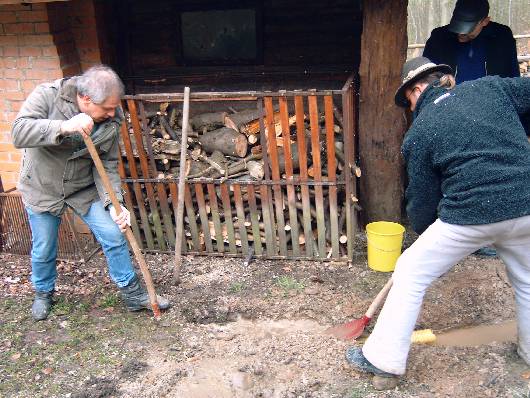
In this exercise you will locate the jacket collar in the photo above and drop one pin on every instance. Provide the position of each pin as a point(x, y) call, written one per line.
point(428, 96)
point(66, 101)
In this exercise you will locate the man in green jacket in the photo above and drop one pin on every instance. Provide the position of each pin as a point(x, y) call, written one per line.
point(468, 163)
point(57, 172)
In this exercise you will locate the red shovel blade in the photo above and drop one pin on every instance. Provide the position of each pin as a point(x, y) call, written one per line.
point(350, 330)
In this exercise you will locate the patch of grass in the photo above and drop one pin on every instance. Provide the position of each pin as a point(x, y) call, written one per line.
point(110, 300)
point(62, 306)
point(237, 287)
point(288, 283)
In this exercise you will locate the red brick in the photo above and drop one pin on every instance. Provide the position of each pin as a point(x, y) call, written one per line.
point(31, 51)
point(4, 157)
point(55, 74)
point(32, 16)
point(46, 63)
point(10, 166)
point(42, 27)
point(36, 74)
point(16, 105)
point(10, 116)
point(50, 51)
point(10, 51)
point(36, 40)
point(14, 96)
point(16, 7)
point(12, 85)
point(8, 40)
point(15, 157)
point(13, 73)
point(7, 16)
point(23, 63)
point(19, 28)
point(10, 62)
point(7, 147)
point(29, 85)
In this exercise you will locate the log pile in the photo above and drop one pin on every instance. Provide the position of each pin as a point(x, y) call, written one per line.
point(228, 145)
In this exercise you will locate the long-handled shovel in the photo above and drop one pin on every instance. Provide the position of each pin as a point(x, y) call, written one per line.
point(179, 219)
point(354, 328)
point(128, 232)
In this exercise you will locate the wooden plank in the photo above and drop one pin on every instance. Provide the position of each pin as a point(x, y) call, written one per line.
point(190, 212)
point(270, 237)
point(227, 210)
point(265, 195)
point(317, 169)
point(349, 137)
point(160, 187)
point(258, 247)
point(137, 130)
point(332, 177)
point(199, 196)
point(291, 195)
point(128, 202)
point(214, 209)
point(302, 156)
point(240, 211)
point(275, 169)
point(131, 161)
point(174, 201)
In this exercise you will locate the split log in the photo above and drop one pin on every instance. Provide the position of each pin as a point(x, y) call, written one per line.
point(226, 140)
point(256, 169)
point(164, 124)
point(208, 121)
point(239, 121)
point(169, 147)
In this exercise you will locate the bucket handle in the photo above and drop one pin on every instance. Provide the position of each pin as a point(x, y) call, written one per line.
point(386, 250)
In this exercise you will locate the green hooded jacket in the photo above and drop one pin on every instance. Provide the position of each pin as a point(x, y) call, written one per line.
point(57, 170)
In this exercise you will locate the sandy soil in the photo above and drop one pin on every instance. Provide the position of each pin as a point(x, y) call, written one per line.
point(236, 331)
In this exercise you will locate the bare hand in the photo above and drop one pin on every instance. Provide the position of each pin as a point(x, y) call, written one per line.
point(123, 219)
point(81, 123)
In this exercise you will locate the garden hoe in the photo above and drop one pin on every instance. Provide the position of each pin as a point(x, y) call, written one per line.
point(354, 328)
point(128, 232)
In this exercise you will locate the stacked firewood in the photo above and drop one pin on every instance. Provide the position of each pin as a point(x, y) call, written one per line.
point(227, 145)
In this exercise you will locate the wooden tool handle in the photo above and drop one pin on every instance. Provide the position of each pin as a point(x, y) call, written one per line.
point(179, 219)
point(128, 232)
point(378, 299)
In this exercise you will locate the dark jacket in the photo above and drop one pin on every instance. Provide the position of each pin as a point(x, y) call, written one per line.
point(58, 170)
point(501, 51)
point(467, 155)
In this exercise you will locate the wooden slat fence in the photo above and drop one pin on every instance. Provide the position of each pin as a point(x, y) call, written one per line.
point(304, 208)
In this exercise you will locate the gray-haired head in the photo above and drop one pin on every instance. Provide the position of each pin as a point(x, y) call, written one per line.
point(99, 82)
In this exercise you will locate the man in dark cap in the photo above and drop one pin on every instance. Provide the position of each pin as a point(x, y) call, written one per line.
point(468, 163)
point(472, 45)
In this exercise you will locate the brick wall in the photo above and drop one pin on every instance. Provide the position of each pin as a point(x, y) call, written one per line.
point(38, 43)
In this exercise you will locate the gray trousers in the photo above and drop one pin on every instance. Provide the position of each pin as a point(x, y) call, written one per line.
point(434, 253)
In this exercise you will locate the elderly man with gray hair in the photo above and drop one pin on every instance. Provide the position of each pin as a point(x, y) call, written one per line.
point(58, 172)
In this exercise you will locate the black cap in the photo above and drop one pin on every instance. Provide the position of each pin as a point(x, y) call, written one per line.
point(467, 14)
point(413, 70)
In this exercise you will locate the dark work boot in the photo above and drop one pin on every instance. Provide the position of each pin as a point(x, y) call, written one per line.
point(42, 305)
point(136, 297)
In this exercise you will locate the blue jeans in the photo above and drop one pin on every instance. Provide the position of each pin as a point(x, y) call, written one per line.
point(45, 230)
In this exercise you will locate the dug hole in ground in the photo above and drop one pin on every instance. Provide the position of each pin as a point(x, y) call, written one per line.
point(255, 331)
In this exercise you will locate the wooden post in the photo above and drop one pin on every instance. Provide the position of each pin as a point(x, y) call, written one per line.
point(381, 122)
point(179, 219)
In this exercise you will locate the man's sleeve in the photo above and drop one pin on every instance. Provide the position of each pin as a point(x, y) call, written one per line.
point(32, 128)
point(513, 56)
point(423, 193)
point(432, 49)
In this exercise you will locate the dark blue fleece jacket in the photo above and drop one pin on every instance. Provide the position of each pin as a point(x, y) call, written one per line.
point(467, 154)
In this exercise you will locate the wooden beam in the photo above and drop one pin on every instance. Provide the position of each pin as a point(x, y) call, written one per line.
point(381, 122)
point(27, 2)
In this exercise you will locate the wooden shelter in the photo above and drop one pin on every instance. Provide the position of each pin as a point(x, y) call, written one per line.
point(261, 47)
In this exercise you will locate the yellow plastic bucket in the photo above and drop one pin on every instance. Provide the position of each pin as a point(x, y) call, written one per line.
point(385, 240)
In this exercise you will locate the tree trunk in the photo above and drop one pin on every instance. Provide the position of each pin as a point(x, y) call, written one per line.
point(381, 122)
point(226, 140)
